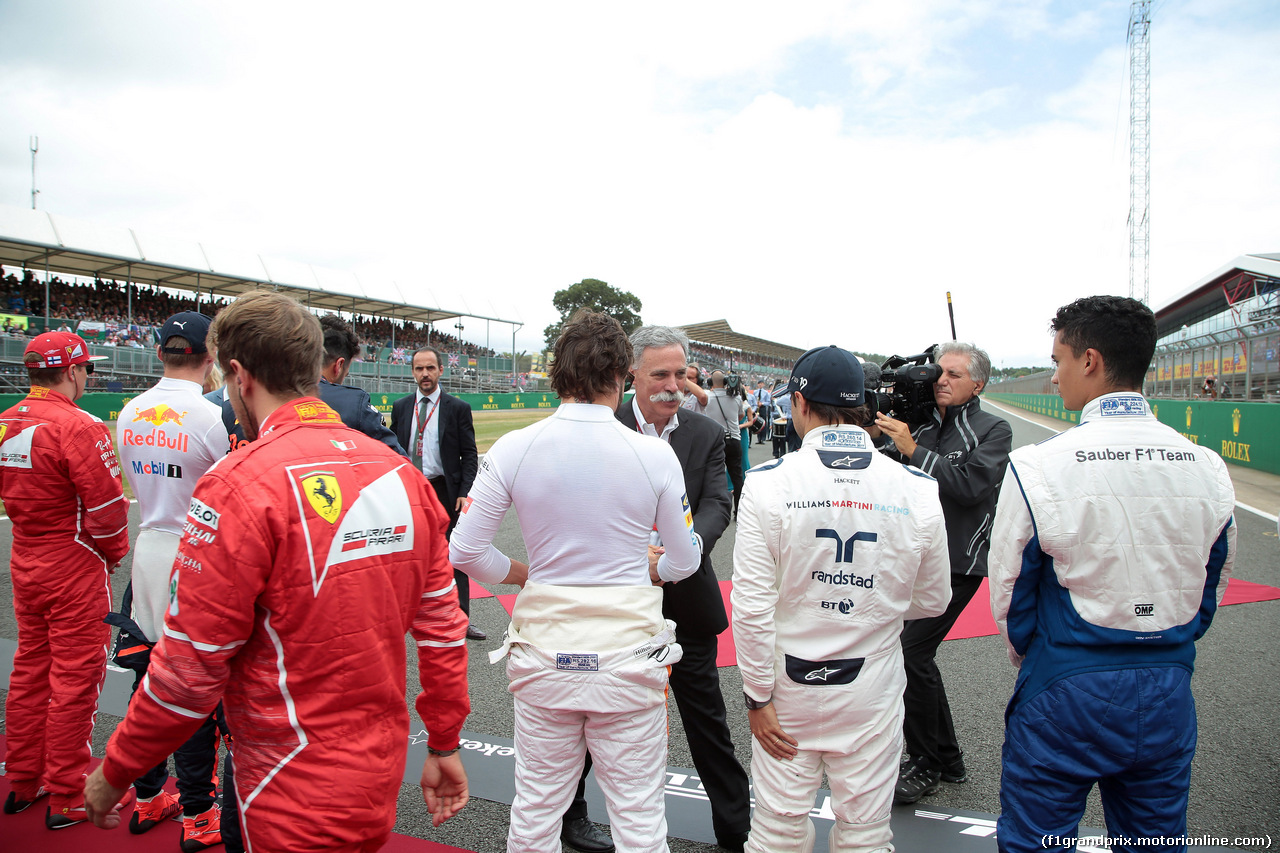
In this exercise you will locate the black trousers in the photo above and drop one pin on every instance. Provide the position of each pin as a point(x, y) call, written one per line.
point(695, 682)
point(793, 437)
point(193, 765)
point(460, 578)
point(232, 832)
point(927, 724)
point(733, 461)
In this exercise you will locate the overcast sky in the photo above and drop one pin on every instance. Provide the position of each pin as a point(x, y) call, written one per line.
point(813, 173)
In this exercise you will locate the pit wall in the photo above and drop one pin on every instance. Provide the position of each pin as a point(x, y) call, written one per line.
point(1242, 433)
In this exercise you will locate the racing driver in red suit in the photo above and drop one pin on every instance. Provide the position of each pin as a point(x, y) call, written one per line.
point(305, 558)
point(60, 482)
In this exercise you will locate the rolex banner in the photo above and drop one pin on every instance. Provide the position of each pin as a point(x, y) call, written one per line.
point(1241, 433)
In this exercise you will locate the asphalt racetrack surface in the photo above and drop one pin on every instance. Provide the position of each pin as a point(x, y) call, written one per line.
point(1235, 786)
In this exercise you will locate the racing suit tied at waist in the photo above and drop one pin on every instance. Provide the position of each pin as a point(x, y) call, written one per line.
point(609, 640)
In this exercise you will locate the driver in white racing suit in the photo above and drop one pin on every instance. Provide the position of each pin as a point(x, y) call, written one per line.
point(836, 545)
point(588, 645)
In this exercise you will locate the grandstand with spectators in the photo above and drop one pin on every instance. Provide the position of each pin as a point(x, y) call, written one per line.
point(114, 287)
point(1225, 327)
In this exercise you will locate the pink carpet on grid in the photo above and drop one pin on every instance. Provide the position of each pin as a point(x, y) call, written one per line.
point(975, 621)
point(26, 831)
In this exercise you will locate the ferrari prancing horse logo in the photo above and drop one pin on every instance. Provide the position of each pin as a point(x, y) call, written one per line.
point(324, 495)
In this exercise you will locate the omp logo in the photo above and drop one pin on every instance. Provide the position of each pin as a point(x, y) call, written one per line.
point(159, 415)
point(1144, 610)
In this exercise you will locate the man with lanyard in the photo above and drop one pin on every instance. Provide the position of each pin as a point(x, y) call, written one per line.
point(437, 430)
point(695, 604)
point(305, 559)
point(966, 450)
point(169, 436)
point(836, 545)
point(60, 482)
point(1112, 547)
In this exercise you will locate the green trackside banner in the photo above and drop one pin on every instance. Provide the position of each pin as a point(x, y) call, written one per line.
point(1242, 433)
point(483, 402)
point(107, 406)
point(1049, 405)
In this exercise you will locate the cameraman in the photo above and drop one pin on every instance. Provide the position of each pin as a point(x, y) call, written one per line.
point(966, 450)
point(725, 407)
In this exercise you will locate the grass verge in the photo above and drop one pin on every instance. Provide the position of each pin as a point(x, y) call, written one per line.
point(490, 426)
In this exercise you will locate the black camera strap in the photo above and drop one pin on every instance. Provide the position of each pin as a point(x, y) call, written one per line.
point(728, 434)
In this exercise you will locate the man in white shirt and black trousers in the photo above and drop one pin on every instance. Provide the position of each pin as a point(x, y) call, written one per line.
point(437, 430)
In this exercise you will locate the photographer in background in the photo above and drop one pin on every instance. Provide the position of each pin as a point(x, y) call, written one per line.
point(695, 396)
point(966, 450)
point(724, 406)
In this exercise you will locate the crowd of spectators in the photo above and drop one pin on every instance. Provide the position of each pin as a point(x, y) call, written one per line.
point(114, 313)
point(100, 300)
point(755, 365)
point(377, 336)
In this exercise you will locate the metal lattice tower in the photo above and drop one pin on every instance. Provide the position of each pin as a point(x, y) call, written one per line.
point(1140, 151)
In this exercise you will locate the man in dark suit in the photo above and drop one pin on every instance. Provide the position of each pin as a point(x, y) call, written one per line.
point(436, 429)
point(351, 403)
point(694, 604)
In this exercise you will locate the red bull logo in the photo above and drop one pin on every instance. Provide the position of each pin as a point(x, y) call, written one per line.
point(155, 438)
point(159, 415)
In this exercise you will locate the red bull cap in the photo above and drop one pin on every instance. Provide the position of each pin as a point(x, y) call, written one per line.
point(58, 349)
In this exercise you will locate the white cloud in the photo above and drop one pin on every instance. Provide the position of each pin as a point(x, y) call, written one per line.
point(488, 156)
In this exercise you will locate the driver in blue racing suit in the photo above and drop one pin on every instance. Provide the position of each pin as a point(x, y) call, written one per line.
point(1111, 550)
